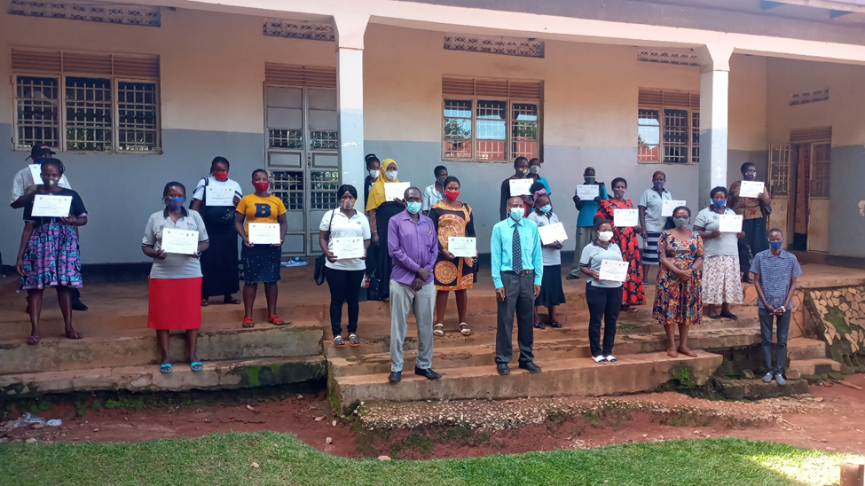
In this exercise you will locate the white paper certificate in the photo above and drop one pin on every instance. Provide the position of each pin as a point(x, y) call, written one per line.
point(626, 217)
point(669, 206)
point(51, 206)
point(219, 196)
point(751, 189)
point(347, 247)
point(552, 233)
point(36, 173)
point(520, 187)
point(614, 271)
point(588, 192)
point(395, 190)
point(183, 242)
point(730, 223)
point(462, 247)
point(264, 233)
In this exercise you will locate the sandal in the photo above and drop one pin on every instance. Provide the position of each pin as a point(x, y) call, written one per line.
point(196, 366)
point(165, 368)
point(728, 315)
point(247, 322)
point(74, 335)
point(276, 321)
point(230, 300)
point(338, 342)
point(540, 325)
point(555, 323)
point(464, 329)
point(204, 303)
point(353, 340)
point(439, 330)
point(33, 340)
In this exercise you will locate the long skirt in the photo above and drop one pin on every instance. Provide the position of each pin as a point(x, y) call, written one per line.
point(219, 263)
point(174, 303)
point(552, 292)
point(52, 258)
point(756, 240)
point(722, 283)
point(650, 253)
point(384, 262)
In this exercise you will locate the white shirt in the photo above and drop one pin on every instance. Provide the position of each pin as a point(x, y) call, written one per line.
point(23, 184)
point(343, 227)
point(174, 265)
point(198, 193)
point(552, 256)
point(430, 198)
point(653, 201)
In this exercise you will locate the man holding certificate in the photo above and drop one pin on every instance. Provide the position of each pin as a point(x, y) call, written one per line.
point(516, 185)
point(722, 283)
point(750, 199)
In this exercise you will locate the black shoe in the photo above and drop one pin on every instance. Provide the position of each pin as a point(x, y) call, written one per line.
point(78, 305)
point(395, 377)
point(531, 367)
point(540, 325)
point(428, 373)
point(572, 277)
point(503, 369)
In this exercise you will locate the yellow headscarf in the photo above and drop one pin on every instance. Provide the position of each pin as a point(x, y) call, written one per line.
point(376, 192)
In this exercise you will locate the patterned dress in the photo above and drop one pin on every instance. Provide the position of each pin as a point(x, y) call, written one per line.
point(678, 302)
point(52, 256)
point(633, 289)
point(457, 274)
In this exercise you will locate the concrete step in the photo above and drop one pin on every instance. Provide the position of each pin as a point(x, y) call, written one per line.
point(818, 366)
point(138, 347)
point(215, 375)
point(799, 349)
point(563, 377)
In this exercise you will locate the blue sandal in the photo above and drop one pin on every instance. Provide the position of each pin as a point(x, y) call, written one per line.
point(165, 368)
point(196, 366)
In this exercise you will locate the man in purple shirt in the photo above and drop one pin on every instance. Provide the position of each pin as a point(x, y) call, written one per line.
point(413, 246)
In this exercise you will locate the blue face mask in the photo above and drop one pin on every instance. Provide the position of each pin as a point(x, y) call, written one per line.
point(776, 245)
point(517, 213)
point(720, 203)
point(413, 207)
point(659, 186)
point(546, 209)
point(174, 202)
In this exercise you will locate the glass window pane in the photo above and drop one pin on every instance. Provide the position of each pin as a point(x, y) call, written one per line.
point(37, 114)
point(491, 129)
point(285, 139)
point(457, 133)
point(288, 186)
point(648, 135)
point(88, 114)
point(677, 135)
point(524, 130)
point(458, 108)
point(323, 186)
point(695, 137)
point(137, 120)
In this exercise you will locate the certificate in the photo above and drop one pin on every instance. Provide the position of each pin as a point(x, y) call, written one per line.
point(626, 217)
point(462, 247)
point(36, 173)
point(51, 206)
point(730, 223)
point(613, 270)
point(395, 190)
point(669, 206)
point(590, 191)
point(264, 233)
point(183, 242)
point(520, 187)
point(552, 233)
point(751, 189)
point(347, 247)
point(219, 196)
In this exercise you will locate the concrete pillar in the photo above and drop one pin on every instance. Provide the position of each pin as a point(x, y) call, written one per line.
point(714, 93)
point(349, 87)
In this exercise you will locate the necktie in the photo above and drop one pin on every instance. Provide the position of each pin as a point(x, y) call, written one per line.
point(517, 251)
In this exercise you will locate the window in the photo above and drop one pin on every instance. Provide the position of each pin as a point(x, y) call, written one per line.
point(668, 127)
point(490, 120)
point(87, 102)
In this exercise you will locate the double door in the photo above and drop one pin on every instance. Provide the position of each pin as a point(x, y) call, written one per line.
point(302, 157)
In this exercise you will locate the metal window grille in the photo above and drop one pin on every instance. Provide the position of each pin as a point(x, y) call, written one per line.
point(695, 137)
point(524, 130)
point(37, 111)
point(88, 114)
point(648, 135)
point(457, 141)
point(324, 140)
point(491, 129)
point(820, 170)
point(137, 112)
point(668, 124)
point(285, 138)
point(779, 170)
point(676, 136)
point(323, 186)
point(288, 186)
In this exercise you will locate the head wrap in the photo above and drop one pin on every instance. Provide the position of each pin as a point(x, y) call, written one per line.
point(539, 193)
point(376, 192)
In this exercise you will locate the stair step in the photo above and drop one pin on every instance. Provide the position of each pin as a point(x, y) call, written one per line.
point(233, 374)
point(564, 377)
point(799, 349)
point(818, 366)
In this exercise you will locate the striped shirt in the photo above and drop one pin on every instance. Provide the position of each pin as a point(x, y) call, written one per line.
point(775, 273)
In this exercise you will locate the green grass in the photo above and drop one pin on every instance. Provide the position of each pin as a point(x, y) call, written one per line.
point(225, 459)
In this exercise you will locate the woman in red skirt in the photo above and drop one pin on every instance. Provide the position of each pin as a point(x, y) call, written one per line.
point(175, 278)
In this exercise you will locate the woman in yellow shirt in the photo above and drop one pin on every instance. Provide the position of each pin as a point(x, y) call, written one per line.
point(260, 261)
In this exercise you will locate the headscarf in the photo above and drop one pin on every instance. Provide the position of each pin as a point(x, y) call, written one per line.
point(376, 192)
point(539, 193)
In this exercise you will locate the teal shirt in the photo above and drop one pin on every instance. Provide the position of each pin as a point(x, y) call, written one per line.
point(501, 249)
point(546, 184)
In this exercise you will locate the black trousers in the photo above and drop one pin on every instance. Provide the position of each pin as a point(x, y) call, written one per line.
point(519, 301)
point(344, 287)
point(604, 303)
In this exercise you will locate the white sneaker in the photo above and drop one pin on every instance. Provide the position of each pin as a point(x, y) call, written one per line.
point(767, 378)
point(600, 359)
point(779, 379)
point(612, 359)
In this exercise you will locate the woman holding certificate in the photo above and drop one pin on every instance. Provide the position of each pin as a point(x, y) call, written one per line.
point(260, 221)
point(380, 211)
point(452, 219)
point(49, 253)
point(344, 238)
point(552, 293)
point(625, 237)
point(722, 283)
point(603, 296)
point(215, 198)
point(174, 238)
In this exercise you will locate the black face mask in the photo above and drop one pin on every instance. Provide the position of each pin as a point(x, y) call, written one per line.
point(590, 179)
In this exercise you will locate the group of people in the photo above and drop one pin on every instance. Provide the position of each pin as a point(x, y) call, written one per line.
point(405, 247)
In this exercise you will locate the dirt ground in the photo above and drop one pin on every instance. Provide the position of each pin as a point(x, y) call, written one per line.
point(831, 418)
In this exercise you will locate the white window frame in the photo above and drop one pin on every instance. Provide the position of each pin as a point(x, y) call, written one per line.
point(115, 111)
point(509, 156)
point(662, 125)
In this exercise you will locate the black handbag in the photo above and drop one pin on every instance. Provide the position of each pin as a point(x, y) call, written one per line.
point(373, 290)
point(318, 275)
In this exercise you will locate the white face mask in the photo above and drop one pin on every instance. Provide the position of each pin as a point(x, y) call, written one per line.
point(390, 174)
point(374, 173)
point(605, 235)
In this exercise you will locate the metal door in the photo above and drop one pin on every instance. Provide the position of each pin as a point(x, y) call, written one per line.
point(303, 159)
point(779, 187)
point(818, 198)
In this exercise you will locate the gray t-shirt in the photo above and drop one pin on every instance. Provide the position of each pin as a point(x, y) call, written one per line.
point(551, 255)
point(654, 203)
point(710, 221)
point(592, 256)
point(174, 266)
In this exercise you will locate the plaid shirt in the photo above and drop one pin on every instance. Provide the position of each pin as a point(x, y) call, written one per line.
point(775, 273)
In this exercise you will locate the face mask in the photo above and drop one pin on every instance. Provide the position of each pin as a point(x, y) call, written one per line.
point(776, 245)
point(517, 213)
point(348, 203)
point(547, 209)
point(750, 176)
point(261, 186)
point(373, 173)
point(413, 207)
point(174, 202)
point(590, 179)
point(680, 222)
point(720, 203)
point(390, 174)
point(659, 186)
point(50, 182)
point(441, 180)
point(535, 169)
point(452, 195)
point(523, 171)
point(605, 235)
point(220, 175)
point(619, 192)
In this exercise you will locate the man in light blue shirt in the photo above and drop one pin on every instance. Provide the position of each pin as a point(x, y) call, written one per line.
point(517, 270)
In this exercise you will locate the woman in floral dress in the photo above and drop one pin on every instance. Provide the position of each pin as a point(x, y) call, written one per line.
point(634, 290)
point(679, 294)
